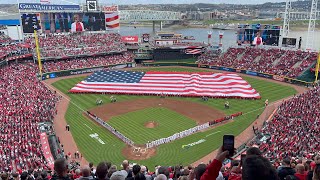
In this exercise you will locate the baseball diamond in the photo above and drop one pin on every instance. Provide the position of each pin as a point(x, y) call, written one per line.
point(138, 110)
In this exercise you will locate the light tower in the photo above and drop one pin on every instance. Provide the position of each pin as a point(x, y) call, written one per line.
point(286, 22)
point(312, 26)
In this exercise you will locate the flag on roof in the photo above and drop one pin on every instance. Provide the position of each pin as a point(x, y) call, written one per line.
point(170, 83)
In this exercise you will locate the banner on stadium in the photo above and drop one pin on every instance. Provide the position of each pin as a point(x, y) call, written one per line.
point(251, 73)
point(38, 7)
point(227, 69)
point(46, 150)
point(278, 78)
point(269, 76)
point(109, 9)
point(130, 39)
point(112, 20)
point(214, 67)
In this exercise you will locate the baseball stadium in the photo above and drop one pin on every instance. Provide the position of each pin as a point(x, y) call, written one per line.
point(79, 100)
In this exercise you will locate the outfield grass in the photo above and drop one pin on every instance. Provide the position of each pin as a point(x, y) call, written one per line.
point(167, 154)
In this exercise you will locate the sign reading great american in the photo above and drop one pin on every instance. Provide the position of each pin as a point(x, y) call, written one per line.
point(47, 7)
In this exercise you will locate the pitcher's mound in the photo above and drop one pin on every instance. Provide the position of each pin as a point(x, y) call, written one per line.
point(138, 152)
point(151, 124)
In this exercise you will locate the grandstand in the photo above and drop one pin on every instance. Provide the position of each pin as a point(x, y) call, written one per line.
point(275, 61)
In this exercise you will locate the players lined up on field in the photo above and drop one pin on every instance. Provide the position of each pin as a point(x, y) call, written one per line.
point(179, 135)
point(111, 129)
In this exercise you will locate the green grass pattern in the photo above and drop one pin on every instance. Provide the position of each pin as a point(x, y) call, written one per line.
point(167, 154)
point(169, 122)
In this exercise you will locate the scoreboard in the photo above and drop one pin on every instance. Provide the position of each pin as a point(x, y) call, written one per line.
point(247, 32)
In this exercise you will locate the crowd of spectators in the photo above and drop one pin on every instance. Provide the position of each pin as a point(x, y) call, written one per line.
point(78, 63)
point(295, 128)
point(289, 63)
point(5, 39)
point(66, 45)
point(24, 102)
point(253, 166)
point(9, 48)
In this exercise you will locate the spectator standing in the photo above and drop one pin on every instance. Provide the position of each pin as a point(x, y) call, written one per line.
point(61, 170)
point(86, 173)
point(300, 173)
point(285, 169)
point(102, 171)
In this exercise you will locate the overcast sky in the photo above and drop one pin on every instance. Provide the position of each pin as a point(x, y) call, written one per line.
point(147, 1)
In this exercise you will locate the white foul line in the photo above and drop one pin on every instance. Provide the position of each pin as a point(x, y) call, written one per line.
point(88, 126)
point(213, 133)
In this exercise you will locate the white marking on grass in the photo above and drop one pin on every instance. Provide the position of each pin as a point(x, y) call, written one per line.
point(88, 127)
point(213, 133)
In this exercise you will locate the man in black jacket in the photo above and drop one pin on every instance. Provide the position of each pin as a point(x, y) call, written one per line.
point(285, 169)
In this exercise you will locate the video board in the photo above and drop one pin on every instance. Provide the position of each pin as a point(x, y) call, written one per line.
point(270, 34)
point(63, 22)
point(289, 42)
point(30, 22)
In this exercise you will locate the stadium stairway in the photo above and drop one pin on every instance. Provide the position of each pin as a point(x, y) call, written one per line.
point(257, 59)
point(276, 62)
point(241, 55)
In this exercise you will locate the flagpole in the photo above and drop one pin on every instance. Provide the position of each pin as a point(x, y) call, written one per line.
point(38, 52)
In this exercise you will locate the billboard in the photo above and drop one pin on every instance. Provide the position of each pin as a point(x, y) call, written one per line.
point(38, 7)
point(130, 39)
point(66, 22)
point(109, 9)
point(289, 42)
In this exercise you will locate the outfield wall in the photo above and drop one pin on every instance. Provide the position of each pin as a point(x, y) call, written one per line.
point(56, 74)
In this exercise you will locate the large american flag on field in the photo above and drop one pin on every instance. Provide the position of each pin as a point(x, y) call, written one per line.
point(167, 83)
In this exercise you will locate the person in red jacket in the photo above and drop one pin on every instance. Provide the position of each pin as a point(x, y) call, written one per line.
point(254, 167)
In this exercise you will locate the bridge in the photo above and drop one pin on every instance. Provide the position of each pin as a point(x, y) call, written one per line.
point(148, 15)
